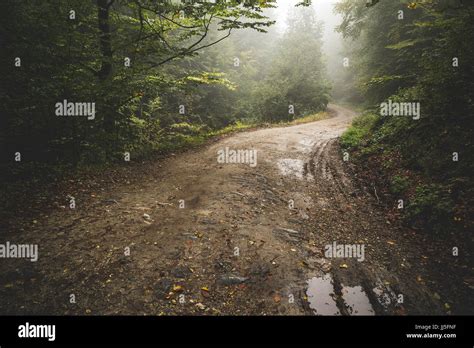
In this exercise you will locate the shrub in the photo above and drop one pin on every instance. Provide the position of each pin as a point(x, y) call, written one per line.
point(399, 184)
point(359, 131)
point(431, 205)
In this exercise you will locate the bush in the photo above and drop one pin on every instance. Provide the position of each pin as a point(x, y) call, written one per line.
point(186, 129)
point(431, 205)
point(399, 184)
point(359, 131)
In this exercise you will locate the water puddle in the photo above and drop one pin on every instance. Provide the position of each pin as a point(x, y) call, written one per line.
point(385, 295)
point(324, 301)
point(357, 301)
point(321, 296)
point(294, 167)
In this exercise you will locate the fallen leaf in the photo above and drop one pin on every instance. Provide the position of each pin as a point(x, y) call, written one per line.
point(200, 306)
point(177, 288)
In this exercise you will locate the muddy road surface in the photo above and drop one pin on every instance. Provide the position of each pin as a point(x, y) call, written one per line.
point(199, 235)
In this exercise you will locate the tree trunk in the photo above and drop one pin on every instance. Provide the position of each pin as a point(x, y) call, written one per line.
point(105, 39)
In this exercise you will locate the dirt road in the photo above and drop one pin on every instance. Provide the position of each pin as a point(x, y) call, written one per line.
point(248, 240)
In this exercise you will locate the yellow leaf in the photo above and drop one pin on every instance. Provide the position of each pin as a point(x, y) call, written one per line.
point(177, 288)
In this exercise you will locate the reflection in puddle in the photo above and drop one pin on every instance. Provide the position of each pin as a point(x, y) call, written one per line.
point(382, 296)
point(356, 300)
point(321, 296)
point(294, 167)
point(385, 295)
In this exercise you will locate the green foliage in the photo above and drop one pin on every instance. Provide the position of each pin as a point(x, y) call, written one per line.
point(413, 60)
point(399, 184)
point(433, 205)
point(157, 72)
point(289, 81)
point(362, 127)
point(185, 128)
point(83, 59)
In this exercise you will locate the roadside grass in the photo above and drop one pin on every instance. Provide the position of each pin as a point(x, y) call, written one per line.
point(177, 141)
point(307, 119)
point(359, 132)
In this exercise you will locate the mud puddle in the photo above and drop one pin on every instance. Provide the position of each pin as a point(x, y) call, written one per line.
point(357, 301)
point(321, 296)
point(296, 168)
point(323, 299)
